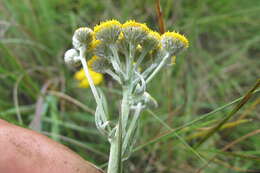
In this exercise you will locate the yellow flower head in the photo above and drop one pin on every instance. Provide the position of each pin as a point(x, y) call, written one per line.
point(108, 31)
point(177, 36)
point(155, 35)
point(107, 24)
point(79, 75)
point(152, 41)
point(83, 82)
point(132, 23)
point(134, 32)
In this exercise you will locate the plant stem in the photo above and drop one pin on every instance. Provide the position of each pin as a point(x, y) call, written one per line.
point(132, 127)
point(90, 81)
point(141, 58)
point(115, 157)
point(114, 76)
point(119, 154)
point(125, 110)
point(113, 166)
point(158, 68)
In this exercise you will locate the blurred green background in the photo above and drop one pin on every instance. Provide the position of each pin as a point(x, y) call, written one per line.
point(221, 64)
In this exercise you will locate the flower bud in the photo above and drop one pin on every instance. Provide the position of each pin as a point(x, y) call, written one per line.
point(98, 64)
point(102, 50)
point(71, 57)
point(82, 37)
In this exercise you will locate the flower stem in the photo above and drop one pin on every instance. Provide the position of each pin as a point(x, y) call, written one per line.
point(125, 107)
point(158, 68)
point(132, 127)
point(90, 81)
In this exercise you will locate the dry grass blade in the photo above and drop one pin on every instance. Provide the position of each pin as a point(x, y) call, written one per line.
point(250, 109)
point(205, 131)
point(72, 100)
point(170, 133)
point(229, 146)
point(241, 139)
point(236, 109)
point(237, 169)
point(160, 17)
point(76, 143)
point(36, 122)
point(16, 86)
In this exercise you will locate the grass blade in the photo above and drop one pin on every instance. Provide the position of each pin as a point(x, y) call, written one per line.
point(244, 100)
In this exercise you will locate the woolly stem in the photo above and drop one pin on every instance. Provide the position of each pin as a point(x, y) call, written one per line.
point(89, 78)
point(162, 63)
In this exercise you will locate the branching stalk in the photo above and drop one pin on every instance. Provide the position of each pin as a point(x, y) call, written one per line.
point(158, 68)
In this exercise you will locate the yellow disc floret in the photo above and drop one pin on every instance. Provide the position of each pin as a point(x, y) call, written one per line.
point(173, 60)
point(94, 44)
point(121, 36)
point(177, 36)
point(132, 23)
point(106, 24)
point(139, 47)
point(92, 60)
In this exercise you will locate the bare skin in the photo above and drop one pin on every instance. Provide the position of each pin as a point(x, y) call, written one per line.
point(25, 151)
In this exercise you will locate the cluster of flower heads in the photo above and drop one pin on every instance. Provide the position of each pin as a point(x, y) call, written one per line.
point(132, 54)
point(128, 52)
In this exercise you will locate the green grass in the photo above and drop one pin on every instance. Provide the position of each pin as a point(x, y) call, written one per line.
point(220, 66)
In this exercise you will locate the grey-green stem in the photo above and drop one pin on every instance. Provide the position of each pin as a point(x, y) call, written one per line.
point(115, 158)
point(158, 68)
point(89, 78)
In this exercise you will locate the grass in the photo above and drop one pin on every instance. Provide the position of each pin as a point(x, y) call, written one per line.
point(221, 64)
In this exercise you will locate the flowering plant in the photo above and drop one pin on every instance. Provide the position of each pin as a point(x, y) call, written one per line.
point(132, 54)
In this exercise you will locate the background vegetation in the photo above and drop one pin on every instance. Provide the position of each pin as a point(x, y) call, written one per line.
point(221, 64)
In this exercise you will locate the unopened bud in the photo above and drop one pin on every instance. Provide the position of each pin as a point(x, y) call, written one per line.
point(82, 37)
point(71, 57)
